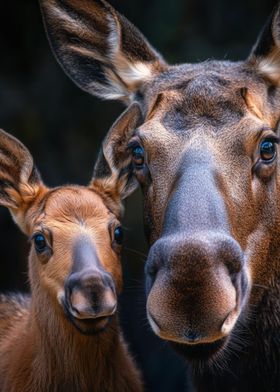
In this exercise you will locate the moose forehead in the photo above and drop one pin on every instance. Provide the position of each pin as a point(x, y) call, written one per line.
point(208, 95)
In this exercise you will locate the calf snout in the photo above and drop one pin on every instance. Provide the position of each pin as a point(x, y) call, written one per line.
point(195, 286)
point(91, 295)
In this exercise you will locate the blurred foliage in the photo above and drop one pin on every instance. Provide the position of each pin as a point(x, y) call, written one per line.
point(63, 128)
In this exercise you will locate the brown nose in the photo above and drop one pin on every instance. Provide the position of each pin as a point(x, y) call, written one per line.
point(91, 295)
point(194, 287)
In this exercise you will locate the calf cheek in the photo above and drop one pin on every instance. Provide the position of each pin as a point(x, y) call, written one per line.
point(54, 273)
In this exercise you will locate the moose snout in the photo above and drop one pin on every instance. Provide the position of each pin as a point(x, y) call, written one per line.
point(91, 295)
point(195, 286)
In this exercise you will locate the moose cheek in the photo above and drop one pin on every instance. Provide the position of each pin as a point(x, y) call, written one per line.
point(264, 171)
point(142, 174)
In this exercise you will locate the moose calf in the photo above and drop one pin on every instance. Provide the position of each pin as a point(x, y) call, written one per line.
point(65, 336)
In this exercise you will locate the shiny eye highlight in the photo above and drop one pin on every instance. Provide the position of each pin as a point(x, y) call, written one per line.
point(40, 243)
point(138, 156)
point(118, 235)
point(268, 150)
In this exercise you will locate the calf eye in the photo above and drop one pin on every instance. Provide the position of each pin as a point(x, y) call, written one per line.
point(118, 235)
point(138, 156)
point(40, 243)
point(267, 150)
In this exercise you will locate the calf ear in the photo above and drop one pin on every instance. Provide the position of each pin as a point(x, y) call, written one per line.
point(265, 55)
point(20, 183)
point(112, 174)
point(101, 51)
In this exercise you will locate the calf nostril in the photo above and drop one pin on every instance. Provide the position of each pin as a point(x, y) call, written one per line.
point(108, 282)
point(76, 299)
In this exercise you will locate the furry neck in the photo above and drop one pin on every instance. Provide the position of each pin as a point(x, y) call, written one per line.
point(252, 360)
point(70, 360)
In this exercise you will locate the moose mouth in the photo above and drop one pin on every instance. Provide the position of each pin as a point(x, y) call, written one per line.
point(200, 352)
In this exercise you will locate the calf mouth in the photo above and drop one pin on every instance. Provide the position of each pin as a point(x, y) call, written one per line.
point(90, 326)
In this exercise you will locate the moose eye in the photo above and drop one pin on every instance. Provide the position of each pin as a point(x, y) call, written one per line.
point(118, 235)
point(138, 156)
point(267, 150)
point(40, 243)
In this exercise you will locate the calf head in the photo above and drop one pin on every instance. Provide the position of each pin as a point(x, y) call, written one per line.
point(205, 155)
point(75, 235)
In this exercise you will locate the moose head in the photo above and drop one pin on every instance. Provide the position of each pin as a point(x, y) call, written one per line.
point(205, 153)
point(75, 237)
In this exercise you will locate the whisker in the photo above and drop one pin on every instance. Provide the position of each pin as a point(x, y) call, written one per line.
point(260, 286)
point(137, 252)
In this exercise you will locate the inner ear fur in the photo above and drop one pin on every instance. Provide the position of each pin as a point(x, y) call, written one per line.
point(265, 56)
point(112, 174)
point(101, 51)
point(20, 182)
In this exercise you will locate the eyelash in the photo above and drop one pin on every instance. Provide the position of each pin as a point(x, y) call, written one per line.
point(132, 145)
point(273, 139)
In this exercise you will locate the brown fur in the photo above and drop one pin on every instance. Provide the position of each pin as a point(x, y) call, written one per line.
point(211, 204)
point(40, 349)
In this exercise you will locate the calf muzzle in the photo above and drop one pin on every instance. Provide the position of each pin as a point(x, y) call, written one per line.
point(90, 299)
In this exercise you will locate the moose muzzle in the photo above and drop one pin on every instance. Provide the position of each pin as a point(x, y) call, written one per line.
point(196, 287)
point(196, 276)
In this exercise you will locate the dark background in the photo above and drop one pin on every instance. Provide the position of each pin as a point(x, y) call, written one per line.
point(63, 127)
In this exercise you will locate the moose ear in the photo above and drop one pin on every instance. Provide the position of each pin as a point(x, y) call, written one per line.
point(101, 51)
point(265, 56)
point(112, 174)
point(20, 182)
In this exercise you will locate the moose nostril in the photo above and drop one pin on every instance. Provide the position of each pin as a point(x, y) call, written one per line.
point(152, 271)
point(232, 256)
point(192, 336)
point(153, 322)
point(234, 266)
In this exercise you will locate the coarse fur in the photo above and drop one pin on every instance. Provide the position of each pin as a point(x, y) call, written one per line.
point(211, 198)
point(65, 335)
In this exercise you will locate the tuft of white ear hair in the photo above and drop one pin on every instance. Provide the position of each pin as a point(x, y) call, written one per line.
point(269, 66)
point(130, 73)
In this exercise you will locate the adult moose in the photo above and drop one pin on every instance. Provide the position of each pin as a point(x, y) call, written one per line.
point(205, 155)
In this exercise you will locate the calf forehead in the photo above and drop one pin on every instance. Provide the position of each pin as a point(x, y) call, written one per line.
point(74, 204)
